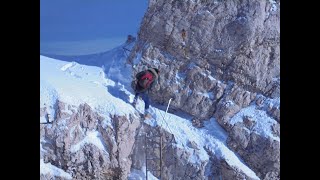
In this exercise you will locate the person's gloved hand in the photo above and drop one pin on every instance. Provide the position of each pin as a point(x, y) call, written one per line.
point(157, 87)
point(173, 97)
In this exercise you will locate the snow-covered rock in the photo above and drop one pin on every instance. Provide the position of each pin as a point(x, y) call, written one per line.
point(102, 138)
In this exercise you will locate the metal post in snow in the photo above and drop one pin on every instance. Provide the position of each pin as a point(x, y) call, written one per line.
point(167, 108)
point(145, 144)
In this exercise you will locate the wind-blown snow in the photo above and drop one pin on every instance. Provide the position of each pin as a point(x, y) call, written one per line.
point(48, 168)
point(93, 137)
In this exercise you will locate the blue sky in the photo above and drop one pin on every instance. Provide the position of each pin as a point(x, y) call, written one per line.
point(88, 21)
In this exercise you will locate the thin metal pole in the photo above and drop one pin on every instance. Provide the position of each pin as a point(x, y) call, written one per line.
point(160, 153)
point(175, 167)
point(145, 146)
point(167, 108)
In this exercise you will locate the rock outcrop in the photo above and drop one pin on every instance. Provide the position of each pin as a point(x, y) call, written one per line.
point(86, 145)
point(227, 59)
point(176, 160)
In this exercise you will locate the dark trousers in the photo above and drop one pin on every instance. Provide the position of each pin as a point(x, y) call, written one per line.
point(145, 98)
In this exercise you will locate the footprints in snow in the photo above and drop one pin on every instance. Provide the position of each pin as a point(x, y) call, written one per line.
point(67, 67)
point(70, 68)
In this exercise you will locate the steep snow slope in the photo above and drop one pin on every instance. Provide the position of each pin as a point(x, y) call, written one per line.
point(75, 84)
point(113, 62)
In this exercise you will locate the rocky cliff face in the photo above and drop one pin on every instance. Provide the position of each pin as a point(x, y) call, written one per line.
point(176, 163)
point(234, 40)
point(227, 59)
point(83, 144)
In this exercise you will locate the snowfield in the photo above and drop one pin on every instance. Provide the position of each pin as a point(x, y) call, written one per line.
point(74, 84)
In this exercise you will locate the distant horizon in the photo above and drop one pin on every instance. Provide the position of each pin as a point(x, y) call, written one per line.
point(82, 47)
point(78, 27)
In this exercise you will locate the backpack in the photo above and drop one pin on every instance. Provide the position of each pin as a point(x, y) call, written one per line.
point(145, 80)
